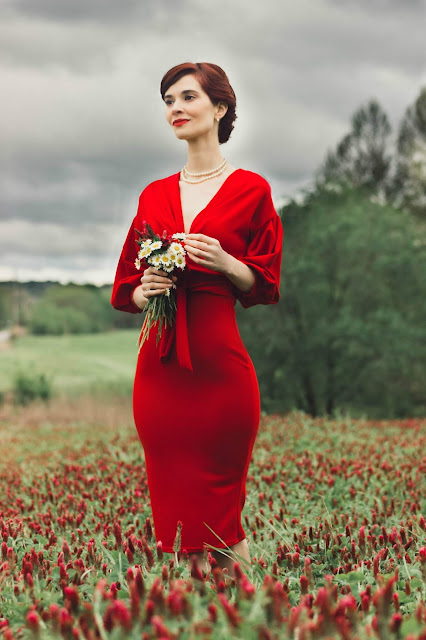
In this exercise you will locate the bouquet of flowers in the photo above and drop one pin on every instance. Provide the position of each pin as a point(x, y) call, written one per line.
point(166, 253)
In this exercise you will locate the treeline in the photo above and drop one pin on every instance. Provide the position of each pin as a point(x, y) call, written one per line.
point(56, 309)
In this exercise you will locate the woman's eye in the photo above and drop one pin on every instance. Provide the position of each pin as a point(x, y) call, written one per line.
point(169, 101)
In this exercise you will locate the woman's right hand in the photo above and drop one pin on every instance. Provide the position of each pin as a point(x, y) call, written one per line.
point(156, 281)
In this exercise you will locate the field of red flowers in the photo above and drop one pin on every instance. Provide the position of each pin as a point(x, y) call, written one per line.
point(333, 518)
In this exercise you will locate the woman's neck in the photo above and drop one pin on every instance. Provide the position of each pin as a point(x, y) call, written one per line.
point(203, 157)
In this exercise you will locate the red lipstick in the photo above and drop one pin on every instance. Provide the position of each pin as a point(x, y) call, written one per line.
point(177, 123)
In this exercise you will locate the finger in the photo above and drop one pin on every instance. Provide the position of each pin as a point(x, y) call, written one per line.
point(200, 249)
point(159, 282)
point(197, 255)
point(199, 236)
point(157, 292)
point(154, 278)
point(154, 289)
point(197, 243)
point(158, 278)
point(158, 285)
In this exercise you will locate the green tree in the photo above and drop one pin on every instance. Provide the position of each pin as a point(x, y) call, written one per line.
point(407, 185)
point(47, 319)
point(4, 309)
point(361, 158)
point(348, 332)
point(121, 319)
point(71, 309)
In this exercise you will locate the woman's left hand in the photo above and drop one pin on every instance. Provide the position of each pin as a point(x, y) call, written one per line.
point(207, 252)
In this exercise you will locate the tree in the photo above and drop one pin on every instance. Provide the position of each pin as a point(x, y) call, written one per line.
point(4, 308)
point(407, 185)
point(361, 157)
point(348, 332)
point(71, 309)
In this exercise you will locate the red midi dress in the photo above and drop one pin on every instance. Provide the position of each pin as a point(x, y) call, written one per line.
point(196, 400)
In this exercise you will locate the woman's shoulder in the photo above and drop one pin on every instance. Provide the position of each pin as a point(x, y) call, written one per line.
point(157, 184)
point(255, 182)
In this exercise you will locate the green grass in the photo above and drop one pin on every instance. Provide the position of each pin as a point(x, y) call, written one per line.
point(74, 362)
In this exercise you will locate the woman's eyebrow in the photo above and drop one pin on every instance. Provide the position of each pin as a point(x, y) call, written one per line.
point(169, 95)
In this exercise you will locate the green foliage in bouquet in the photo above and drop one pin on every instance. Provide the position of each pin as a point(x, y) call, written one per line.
point(162, 252)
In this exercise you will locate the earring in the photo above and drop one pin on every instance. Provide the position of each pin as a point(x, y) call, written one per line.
point(218, 119)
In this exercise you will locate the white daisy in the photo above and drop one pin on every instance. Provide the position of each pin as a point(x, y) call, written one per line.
point(176, 247)
point(156, 245)
point(165, 259)
point(179, 236)
point(180, 262)
point(137, 263)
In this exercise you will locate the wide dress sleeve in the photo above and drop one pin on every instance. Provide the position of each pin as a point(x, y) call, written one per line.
point(263, 254)
point(127, 276)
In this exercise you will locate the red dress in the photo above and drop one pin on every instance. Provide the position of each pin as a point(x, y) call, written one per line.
point(196, 401)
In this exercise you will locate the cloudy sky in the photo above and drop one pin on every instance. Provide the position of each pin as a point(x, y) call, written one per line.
point(83, 127)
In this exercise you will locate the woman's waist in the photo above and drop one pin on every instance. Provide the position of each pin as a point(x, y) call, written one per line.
point(200, 297)
point(199, 282)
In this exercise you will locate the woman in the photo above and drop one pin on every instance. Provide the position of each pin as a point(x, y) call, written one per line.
point(196, 396)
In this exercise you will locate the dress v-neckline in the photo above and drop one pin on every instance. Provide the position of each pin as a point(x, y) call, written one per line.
point(207, 205)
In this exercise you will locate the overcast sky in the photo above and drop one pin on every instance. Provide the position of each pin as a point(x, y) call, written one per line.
point(83, 126)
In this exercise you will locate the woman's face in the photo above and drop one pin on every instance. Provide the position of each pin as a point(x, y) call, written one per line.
point(186, 100)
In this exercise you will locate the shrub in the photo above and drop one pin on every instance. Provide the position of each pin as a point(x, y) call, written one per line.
point(29, 387)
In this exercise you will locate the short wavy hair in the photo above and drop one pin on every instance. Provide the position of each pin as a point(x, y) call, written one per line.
point(214, 81)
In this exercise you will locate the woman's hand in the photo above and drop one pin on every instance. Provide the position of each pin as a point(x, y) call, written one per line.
point(207, 252)
point(156, 281)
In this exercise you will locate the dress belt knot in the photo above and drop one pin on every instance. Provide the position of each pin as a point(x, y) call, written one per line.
point(177, 333)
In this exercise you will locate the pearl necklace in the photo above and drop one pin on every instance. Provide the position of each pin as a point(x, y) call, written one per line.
point(204, 175)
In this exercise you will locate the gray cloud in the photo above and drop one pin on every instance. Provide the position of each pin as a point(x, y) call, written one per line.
point(96, 10)
point(78, 10)
point(380, 7)
point(83, 128)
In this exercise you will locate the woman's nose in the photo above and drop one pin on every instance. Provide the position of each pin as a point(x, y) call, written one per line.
point(176, 107)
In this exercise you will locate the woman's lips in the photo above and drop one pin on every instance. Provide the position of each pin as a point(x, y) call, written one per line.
point(179, 122)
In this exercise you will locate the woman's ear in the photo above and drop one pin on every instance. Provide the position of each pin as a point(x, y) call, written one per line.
point(223, 109)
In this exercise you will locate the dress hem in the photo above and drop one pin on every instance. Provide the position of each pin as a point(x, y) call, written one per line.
point(198, 550)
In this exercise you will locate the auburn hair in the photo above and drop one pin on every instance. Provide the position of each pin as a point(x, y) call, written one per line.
point(214, 81)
